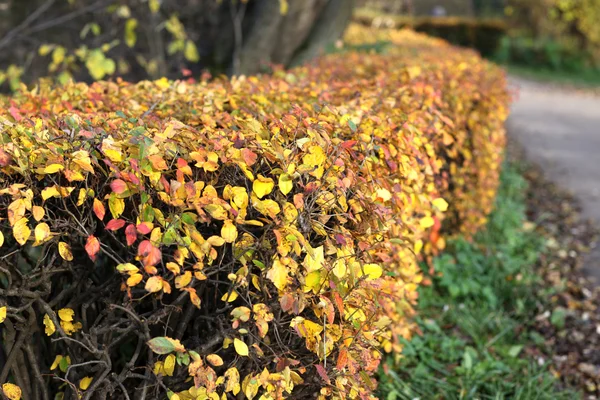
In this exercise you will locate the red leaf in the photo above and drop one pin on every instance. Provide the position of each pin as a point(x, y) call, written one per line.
point(99, 209)
point(115, 224)
point(323, 373)
point(92, 247)
point(150, 254)
point(249, 156)
point(348, 144)
point(144, 228)
point(118, 186)
point(14, 111)
point(130, 234)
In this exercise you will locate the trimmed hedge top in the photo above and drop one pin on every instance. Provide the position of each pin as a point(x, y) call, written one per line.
point(254, 237)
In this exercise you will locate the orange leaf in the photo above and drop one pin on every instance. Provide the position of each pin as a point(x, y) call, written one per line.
point(99, 209)
point(150, 254)
point(92, 247)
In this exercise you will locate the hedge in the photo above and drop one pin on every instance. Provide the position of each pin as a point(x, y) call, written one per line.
point(257, 237)
point(481, 34)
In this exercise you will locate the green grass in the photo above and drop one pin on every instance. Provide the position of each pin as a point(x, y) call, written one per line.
point(475, 316)
point(584, 79)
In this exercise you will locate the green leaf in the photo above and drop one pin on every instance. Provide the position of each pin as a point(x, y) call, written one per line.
point(130, 35)
point(352, 125)
point(191, 52)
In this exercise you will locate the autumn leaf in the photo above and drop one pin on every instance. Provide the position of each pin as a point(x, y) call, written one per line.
point(21, 231)
point(50, 327)
point(169, 365)
point(118, 186)
point(66, 314)
point(278, 274)
point(426, 222)
point(154, 284)
point(229, 232)
point(85, 382)
point(165, 345)
point(115, 224)
point(65, 251)
point(2, 314)
point(183, 280)
point(11, 391)
point(285, 183)
point(1, 239)
point(99, 209)
point(92, 247)
point(41, 233)
point(440, 204)
point(38, 212)
point(262, 186)
point(149, 254)
point(215, 360)
point(240, 347)
point(130, 234)
point(53, 168)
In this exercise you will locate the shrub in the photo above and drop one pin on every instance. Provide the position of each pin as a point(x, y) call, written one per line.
point(255, 236)
point(481, 34)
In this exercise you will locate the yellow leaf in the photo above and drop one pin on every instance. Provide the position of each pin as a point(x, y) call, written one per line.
point(285, 183)
point(154, 284)
point(191, 51)
point(65, 251)
point(50, 192)
point(16, 211)
point(426, 222)
point(278, 274)
point(134, 279)
point(50, 328)
point(21, 231)
point(267, 207)
point(85, 382)
point(183, 280)
point(130, 36)
point(229, 297)
point(313, 282)
point(66, 314)
point(42, 233)
point(373, 271)
point(440, 204)
point(240, 347)
point(38, 212)
point(2, 314)
point(56, 362)
point(169, 365)
point(229, 232)
point(215, 360)
point(283, 7)
point(262, 186)
point(116, 206)
point(12, 392)
point(174, 268)
point(53, 168)
point(154, 6)
point(1, 239)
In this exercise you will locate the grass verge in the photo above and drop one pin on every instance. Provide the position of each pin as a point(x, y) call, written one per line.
point(477, 315)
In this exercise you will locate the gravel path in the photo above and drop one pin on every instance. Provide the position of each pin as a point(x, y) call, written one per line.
point(559, 130)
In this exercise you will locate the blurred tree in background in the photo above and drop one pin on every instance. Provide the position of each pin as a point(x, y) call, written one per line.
point(140, 39)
